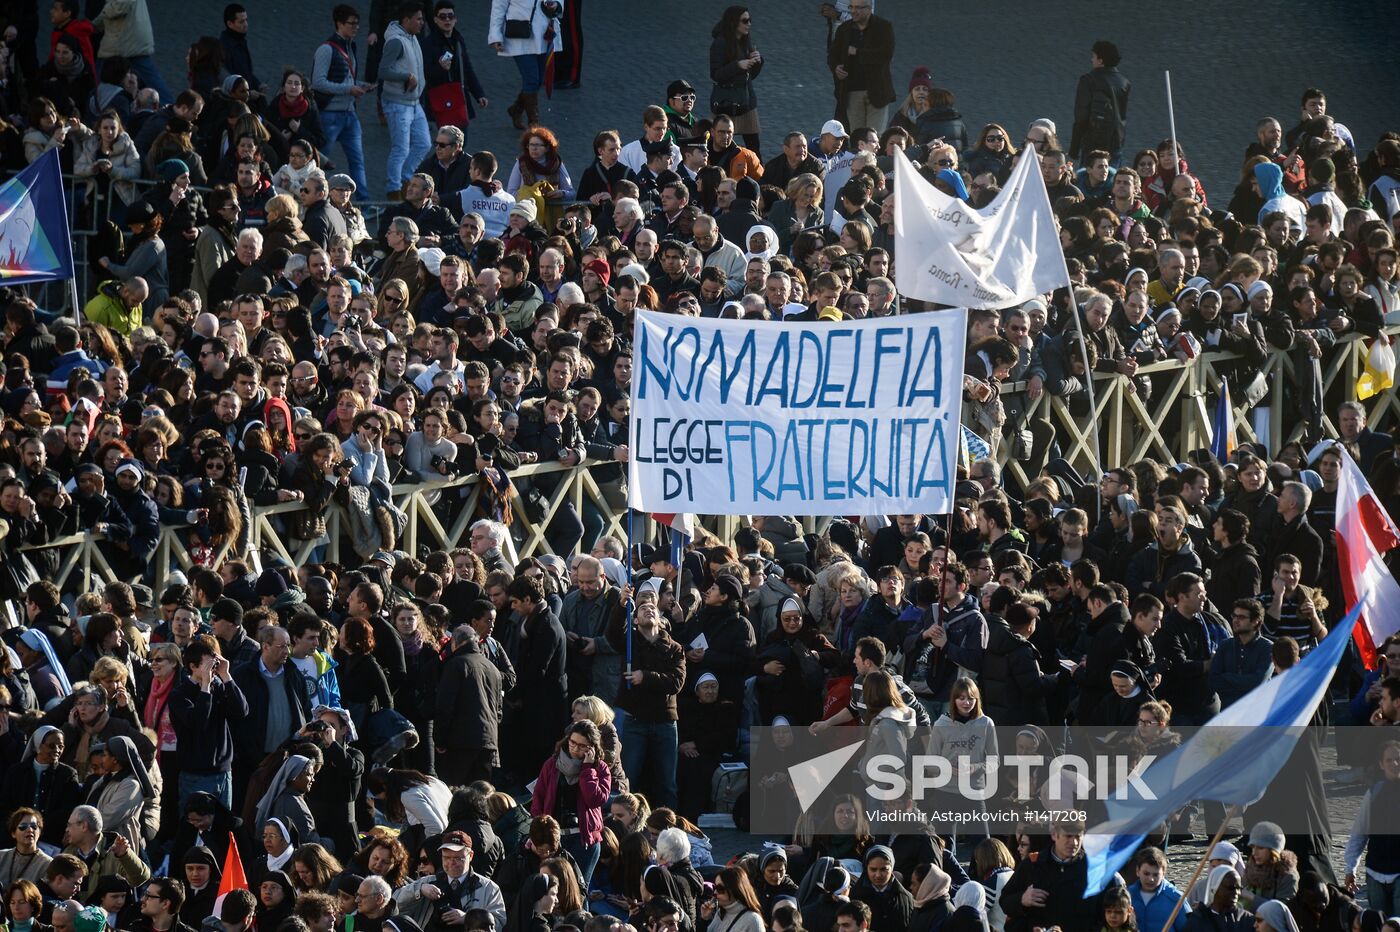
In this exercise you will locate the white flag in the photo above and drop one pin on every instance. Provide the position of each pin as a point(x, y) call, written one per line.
point(950, 253)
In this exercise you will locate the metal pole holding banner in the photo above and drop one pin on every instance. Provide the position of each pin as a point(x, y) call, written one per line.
point(1171, 123)
point(629, 603)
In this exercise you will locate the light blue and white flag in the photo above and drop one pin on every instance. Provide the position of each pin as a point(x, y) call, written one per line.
point(1232, 759)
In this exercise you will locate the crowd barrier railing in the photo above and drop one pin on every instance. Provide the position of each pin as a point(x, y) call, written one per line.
point(83, 565)
point(1179, 415)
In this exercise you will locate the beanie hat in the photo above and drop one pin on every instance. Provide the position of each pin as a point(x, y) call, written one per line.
point(922, 78)
point(730, 586)
point(270, 583)
point(171, 169)
point(601, 269)
point(91, 919)
point(524, 209)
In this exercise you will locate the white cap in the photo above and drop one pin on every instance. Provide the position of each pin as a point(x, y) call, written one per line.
point(834, 128)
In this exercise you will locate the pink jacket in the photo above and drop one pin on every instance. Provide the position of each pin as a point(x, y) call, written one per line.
point(594, 786)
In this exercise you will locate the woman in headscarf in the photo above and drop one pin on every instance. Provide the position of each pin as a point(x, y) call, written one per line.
point(891, 906)
point(932, 906)
point(124, 793)
point(285, 799)
point(1275, 917)
point(41, 781)
point(1119, 709)
point(792, 667)
point(773, 880)
point(279, 843)
point(657, 881)
point(1219, 910)
point(823, 890)
point(201, 875)
point(276, 899)
point(761, 242)
point(969, 910)
point(534, 903)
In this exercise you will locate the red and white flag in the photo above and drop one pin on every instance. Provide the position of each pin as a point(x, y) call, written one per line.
point(1365, 533)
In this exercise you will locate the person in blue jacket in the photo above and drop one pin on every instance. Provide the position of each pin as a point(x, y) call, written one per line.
point(1243, 661)
point(1154, 896)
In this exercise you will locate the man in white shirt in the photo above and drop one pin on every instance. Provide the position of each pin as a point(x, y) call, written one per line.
point(486, 196)
point(444, 349)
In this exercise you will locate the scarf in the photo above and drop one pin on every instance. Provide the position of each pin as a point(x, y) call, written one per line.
point(74, 68)
point(568, 768)
point(289, 110)
point(533, 171)
point(157, 715)
point(413, 644)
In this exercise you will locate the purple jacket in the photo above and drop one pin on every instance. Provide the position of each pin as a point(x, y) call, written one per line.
point(594, 786)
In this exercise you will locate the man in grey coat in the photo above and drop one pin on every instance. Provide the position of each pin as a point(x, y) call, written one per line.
point(594, 666)
point(401, 72)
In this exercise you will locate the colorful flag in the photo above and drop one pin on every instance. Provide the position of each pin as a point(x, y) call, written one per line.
point(1232, 760)
point(1222, 441)
point(1379, 370)
point(1365, 533)
point(972, 448)
point(35, 245)
point(234, 878)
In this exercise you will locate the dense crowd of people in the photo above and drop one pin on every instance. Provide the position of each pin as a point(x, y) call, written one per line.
point(463, 738)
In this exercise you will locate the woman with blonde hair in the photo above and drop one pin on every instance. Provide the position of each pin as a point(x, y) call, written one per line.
point(802, 208)
point(595, 710)
point(283, 228)
point(393, 300)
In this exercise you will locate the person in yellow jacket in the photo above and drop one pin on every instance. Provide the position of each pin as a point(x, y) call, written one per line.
point(118, 305)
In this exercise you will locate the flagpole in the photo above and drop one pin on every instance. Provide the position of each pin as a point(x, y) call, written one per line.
point(1171, 122)
point(1200, 866)
point(629, 602)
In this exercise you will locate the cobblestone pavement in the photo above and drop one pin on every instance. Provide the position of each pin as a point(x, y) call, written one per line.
point(1011, 61)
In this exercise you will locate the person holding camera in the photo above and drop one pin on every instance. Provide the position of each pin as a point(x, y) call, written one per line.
point(440, 901)
point(573, 787)
point(200, 710)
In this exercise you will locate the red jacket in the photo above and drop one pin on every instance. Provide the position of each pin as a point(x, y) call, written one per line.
point(594, 786)
point(81, 30)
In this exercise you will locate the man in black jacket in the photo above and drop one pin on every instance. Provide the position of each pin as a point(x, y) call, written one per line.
point(1101, 106)
point(1293, 535)
point(539, 707)
point(648, 699)
point(1014, 690)
point(1104, 646)
point(279, 702)
point(1047, 889)
point(320, 221)
point(719, 639)
point(160, 907)
point(202, 707)
point(1235, 569)
point(859, 57)
point(1185, 646)
point(468, 712)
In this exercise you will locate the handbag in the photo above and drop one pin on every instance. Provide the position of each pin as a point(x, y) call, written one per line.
point(447, 104)
point(521, 28)
point(729, 100)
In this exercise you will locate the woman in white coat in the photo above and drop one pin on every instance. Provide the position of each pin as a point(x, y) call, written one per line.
point(526, 31)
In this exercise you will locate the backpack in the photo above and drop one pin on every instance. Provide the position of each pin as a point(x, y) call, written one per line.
point(729, 782)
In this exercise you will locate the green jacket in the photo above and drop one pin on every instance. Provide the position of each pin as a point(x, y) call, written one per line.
point(108, 309)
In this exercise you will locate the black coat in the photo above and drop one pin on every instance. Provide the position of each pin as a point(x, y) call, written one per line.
point(731, 647)
point(54, 796)
point(875, 50)
point(469, 701)
point(539, 705)
point(332, 797)
point(890, 909)
point(250, 733)
point(321, 221)
point(1066, 906)
point(1100, 112)
point(1105, 647)
point(1298, 538)
point(1235, 573)
point(1184, 651)
point(1013, 687)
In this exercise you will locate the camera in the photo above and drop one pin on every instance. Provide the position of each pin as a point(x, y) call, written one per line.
point(350, 322)
point(443, 464)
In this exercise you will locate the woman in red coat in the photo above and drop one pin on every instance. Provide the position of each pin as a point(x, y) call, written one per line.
point(573, 787)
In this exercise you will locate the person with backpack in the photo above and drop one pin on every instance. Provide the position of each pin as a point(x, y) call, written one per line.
point(336, 88)
point(1101, 106)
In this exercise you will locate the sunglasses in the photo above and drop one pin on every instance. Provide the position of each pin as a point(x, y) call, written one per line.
point(745, 19)
point(442, 145)
point(447, 14)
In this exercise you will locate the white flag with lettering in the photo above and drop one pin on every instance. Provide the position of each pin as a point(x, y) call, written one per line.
point(998, 256)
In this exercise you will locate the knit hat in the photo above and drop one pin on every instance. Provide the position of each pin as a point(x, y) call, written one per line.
point(1267, 835)
point(90, 919)
point(638, 273)
point(171, 169)
point(140, 212)
point(270, 583)
point(524, 209)
point(432, 257)
point(922, 78)
point(132, 466)
point(601, 269)
point(729, 585)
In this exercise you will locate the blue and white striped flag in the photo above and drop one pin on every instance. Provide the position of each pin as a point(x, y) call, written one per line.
point(972, 448)
point(1232, 759)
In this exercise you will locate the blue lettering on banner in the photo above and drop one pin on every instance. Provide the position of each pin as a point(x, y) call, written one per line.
point(794, 417)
